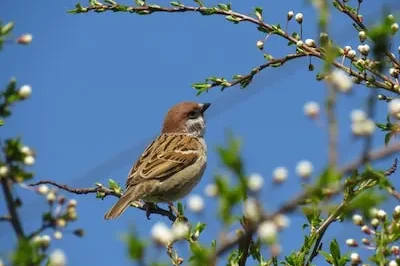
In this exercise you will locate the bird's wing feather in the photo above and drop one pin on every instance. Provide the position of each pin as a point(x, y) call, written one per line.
point(165, 156)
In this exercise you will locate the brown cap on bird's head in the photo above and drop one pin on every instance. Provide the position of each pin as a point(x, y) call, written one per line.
point(184, 116)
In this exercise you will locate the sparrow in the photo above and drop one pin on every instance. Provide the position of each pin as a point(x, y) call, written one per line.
point(173, 164)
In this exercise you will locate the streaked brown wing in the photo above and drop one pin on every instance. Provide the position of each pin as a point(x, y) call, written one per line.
point(165, 156)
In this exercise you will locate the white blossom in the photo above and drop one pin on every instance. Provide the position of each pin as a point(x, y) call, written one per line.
point(25, 91)
point(397, 210)
point(72, 203)
point(161, 234)
point(304, 168)
point(341, 80)
point(395, 250)
point(299, 17)
point(299, 43)
point(255, 182)
point(57, 258)
point(211, 190)
point(358, 219)
point(180, 230)
point(26, 150)
point(394, 27)
point(358, 115)
point(280, 174)
point(392, 263)
point(196, 203)
point(311, 109)
point(281, 221)
point(4, 170)
point(351, 242)
point(260, 44)
point(394, 106)
point(51, 196)
point(43, 189)
point(267, 231)
point(29, 160)
point(355, 258)
point(58, 235)
point(251, 209)
point(310, 42)
point(351, 54)
point(381, 215)
point(290, 15)
point(25, 39)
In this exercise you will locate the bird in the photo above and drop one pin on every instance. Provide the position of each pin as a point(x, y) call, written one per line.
point(174, 162)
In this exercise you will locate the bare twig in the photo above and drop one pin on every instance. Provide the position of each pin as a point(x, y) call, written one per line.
point(5, 218)
point(12, 209)
point(107, 192)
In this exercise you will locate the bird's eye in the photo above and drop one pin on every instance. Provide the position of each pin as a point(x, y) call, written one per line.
point(192, 115)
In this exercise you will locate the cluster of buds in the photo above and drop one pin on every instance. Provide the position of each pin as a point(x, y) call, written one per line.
point(389, 226)
point(162, 235)
point(361, 124)
point(363, 49)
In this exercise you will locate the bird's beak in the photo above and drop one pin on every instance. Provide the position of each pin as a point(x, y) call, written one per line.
point(205, 107)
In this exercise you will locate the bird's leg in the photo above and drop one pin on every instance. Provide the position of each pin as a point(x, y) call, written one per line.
point(148, 206)
point(171, 206)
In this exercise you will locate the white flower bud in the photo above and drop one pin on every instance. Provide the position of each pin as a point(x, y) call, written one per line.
point(358, 220)
point(58, 235)
point(211, 190)
point(355, 258)
point(299, 43)
point(304, 169)
point(351, 242)
point(358, 115)
point(267, 231)
point(390, 17)
point(37, 240)
point(161, 234)
point(351, 54)
point(25, 39)
point(260, 44)
point(394, 106)
point(43, 189)
point(381, 215)
point(251, 209)
point(310, 42)
point(61, 223)
point(366, 241)
point(341, 80)
point(394, 28)
point(281, 221)
point(45, 241)
point(25, 91)
point(72, 203)
point(375, 223)
point(29, 160)
point(26, 150)
point(180, 230)
point(196, 203)
point(57, 258)
point(311, 109)
point(397, 210)
point(4, 170)
point(346, 49)
point(280, 174)
point(362, 36)
point(392, 263)
point(255, 182)
point(365, 229)
point(290, 15)
point(299, 18)
point(51, 197)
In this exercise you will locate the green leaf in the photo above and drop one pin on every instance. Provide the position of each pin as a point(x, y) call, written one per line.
point(388, 136)
point(335, 251)
point(135, 246)
point(199, 2)
point(176, 3)
point(7, 28)
point(140, 2)
point(1, 122)
point(233, 19)
point(111, 2)
point(258, 11)
point(224, 7)
point(180, 208)
point(114, 186)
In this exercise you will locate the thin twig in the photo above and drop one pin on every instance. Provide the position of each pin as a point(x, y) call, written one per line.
point(12, 209)
point(107, 192)
point(5, 218)
point(332, 127)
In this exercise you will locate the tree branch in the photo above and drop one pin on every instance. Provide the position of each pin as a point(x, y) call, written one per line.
point(107, 192)
point(388, 84)
point(14, 218)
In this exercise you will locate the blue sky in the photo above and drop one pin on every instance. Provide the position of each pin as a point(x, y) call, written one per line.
point(102, 83)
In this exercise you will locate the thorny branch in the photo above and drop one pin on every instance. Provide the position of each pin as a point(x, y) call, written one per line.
point(386, 84)
point(108, 192)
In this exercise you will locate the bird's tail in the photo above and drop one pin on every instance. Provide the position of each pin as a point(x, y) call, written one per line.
point(121, 205)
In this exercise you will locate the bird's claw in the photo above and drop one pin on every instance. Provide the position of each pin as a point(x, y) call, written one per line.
point(148, 206)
